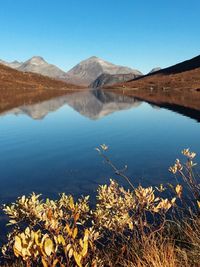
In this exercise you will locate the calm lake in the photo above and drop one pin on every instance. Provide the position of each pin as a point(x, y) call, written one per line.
point(49, 147)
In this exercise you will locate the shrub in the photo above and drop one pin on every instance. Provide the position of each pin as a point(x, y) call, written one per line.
point(133, 227)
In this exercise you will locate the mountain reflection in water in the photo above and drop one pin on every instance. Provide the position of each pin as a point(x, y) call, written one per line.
point(96, 104)
point(49, 147)
point(93, 104)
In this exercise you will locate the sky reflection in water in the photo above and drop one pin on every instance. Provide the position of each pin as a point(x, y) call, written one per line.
point(50, 147)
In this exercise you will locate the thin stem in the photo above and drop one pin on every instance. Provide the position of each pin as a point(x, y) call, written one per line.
point(118, 172)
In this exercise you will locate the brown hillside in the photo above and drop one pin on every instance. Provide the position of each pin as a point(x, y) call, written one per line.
point(175, 91)
point(182, 76)
point(176, 87)
point(18, 88)
point(188, 80)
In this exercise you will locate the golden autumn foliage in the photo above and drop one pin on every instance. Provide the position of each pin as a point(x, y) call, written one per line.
point(125, 228)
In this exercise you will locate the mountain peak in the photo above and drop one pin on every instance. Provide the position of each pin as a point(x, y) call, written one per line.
point(16, 62)
point(93, 57)
point(155, 69)
point(89, 69)
point(37, 60)
point(37, 64)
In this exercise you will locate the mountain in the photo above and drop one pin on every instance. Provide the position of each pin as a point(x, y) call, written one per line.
point(14, 64)
point(92, 104)
point(181, 76)
point(87, 71)
point(155, 69)
point(84, 73)
point(38, 65)
point(109, 79)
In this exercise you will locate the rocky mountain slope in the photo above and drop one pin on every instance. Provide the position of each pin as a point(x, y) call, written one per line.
point(109, 79)
point(87, 71)
point(39, 65)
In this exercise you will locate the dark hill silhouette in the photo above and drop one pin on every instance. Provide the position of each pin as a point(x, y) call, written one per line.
point(181, 67)
point(186, 65)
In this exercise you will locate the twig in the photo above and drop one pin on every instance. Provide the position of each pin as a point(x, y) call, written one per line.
point(117, 171)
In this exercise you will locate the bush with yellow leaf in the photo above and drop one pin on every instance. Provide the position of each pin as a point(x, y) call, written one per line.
point(121, 230)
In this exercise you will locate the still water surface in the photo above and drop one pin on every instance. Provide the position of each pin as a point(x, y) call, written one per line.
point(49, 147)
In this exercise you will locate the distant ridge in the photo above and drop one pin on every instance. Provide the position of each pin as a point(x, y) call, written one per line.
point(155, 69)
point(84, 73)
point(14, 64)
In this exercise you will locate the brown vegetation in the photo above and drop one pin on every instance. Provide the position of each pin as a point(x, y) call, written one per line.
point(18, 88)
point(182, 76)
point(135, 227)
point(176, 85)
point(183, 81)
point(176, 88)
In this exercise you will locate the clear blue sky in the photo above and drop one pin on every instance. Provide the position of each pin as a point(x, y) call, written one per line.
point(141, 34)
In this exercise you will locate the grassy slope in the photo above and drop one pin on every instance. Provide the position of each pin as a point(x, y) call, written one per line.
point(185, 75)
point(176, 85)
point(18, 88)
point(188, 80)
